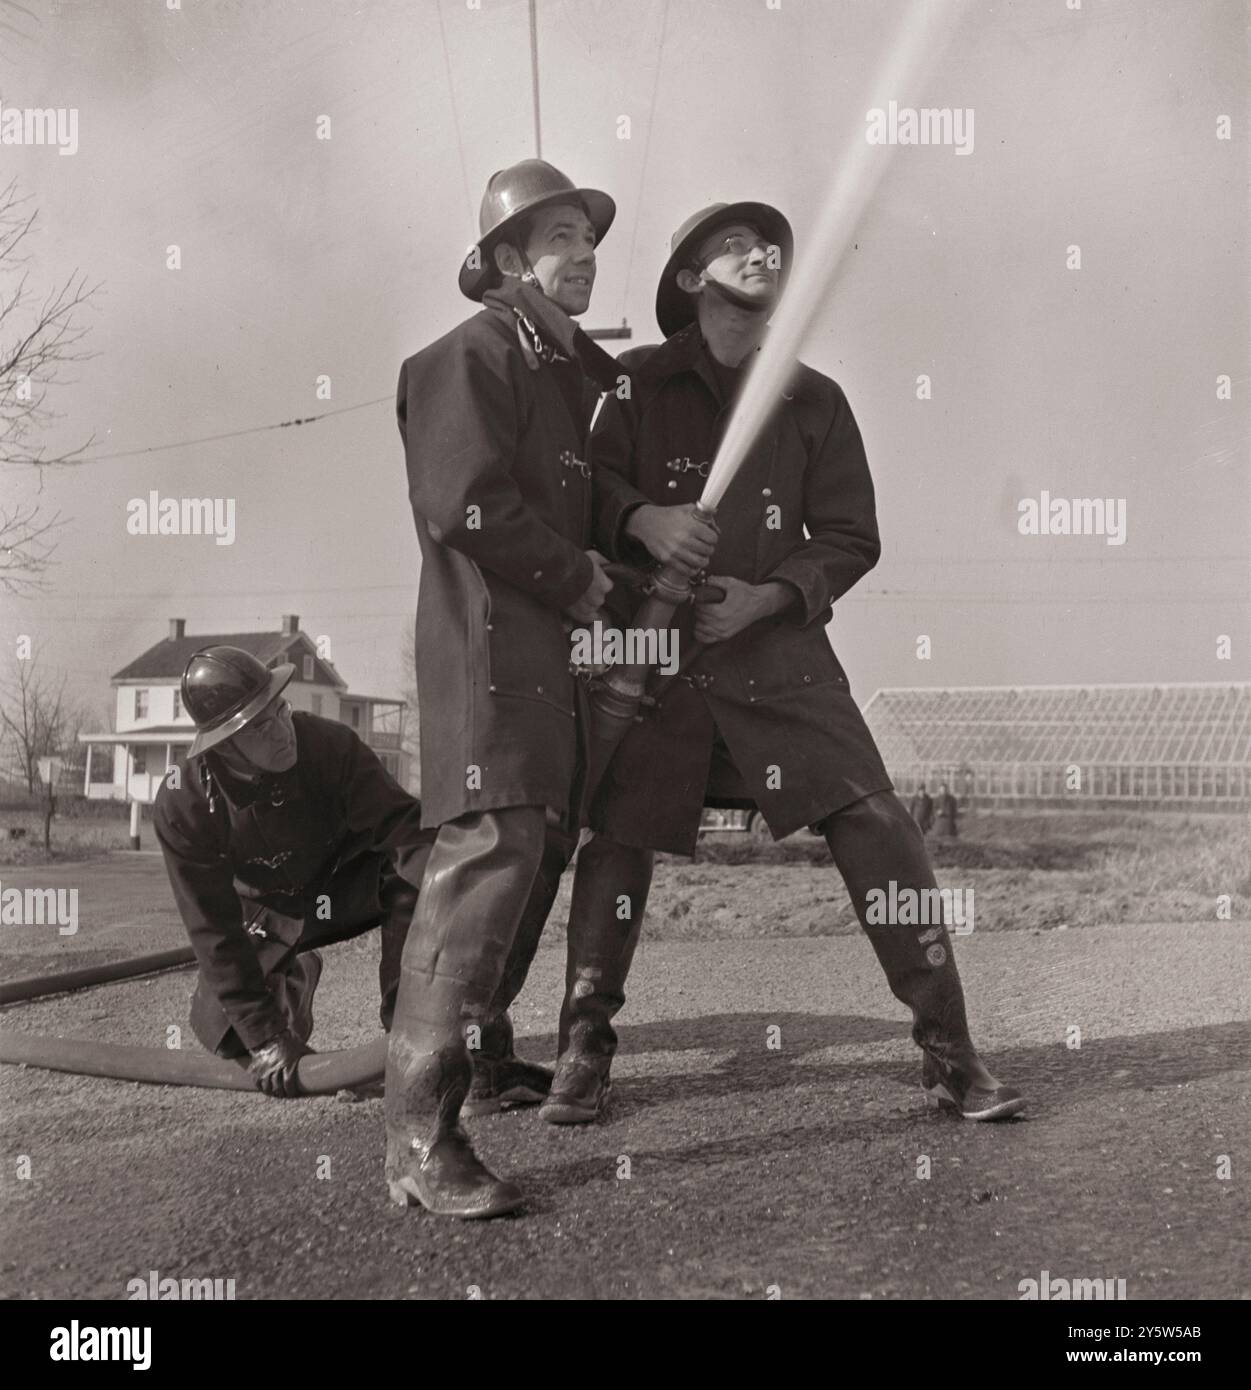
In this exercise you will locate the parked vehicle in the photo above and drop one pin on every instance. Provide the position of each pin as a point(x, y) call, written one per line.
point(723, 822)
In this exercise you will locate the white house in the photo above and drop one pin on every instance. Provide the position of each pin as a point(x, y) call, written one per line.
point(154, 731)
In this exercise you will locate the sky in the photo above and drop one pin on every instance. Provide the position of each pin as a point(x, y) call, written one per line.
point(306, 258)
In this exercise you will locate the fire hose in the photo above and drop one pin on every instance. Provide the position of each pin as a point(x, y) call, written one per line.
point(36, 986)
point(319, 1073)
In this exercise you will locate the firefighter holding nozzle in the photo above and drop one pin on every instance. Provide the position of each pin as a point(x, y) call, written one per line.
point(763, 716)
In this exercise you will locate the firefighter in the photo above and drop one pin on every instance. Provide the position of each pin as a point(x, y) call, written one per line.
point(281, 832)
point(494, 417)
point(763, 715)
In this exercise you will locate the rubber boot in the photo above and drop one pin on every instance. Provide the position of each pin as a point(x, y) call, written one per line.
point(398, 900)
point(610, 890)
point(294, 992)
point(874, 842)
point(477, 881)
point(501, 1079)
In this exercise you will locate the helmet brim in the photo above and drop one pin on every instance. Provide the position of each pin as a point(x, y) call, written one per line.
point(675, 309)
point(475, 280)
point(210, 738)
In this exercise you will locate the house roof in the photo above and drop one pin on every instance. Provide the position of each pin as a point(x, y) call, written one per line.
point(168, 659)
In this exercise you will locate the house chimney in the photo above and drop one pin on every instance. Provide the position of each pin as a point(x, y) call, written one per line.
point(290, 624)
point(177, 629)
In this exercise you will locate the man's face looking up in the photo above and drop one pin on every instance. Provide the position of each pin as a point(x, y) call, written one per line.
point(742, 260)
point(560, 249)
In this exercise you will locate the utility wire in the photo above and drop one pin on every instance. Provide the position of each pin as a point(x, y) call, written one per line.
point(231, 434)
point(534, 81)
point(451, 92)
point(647, 146)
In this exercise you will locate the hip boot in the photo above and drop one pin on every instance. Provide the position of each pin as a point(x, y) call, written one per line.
point(501, 1079)
point(875, 843)
point(477, 881)
point(398, 899)
point(610, 890)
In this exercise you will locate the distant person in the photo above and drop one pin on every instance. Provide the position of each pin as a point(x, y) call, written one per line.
point(948, 814)
point(282, 833)
point(921, 809)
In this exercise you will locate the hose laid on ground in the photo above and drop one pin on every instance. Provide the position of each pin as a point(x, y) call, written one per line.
point(320, 1073)
point(35, 986)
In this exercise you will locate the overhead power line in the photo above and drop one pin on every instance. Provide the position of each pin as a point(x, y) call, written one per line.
point(647, 145)
point(451, 93)
point(233, 434)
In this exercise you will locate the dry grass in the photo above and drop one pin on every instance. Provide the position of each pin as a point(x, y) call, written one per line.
point(80, 830)
point(1028, 871)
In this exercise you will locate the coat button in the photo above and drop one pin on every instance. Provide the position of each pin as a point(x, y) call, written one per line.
point(751, 682)
point(538, 574)
point(766, 492)
point(807, 680)
point(538, 689)
point(490, 627)
point(491, 688)
point(672, 483)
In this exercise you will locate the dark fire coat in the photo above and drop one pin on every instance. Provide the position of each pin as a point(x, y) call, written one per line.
point(775, 691)
point(276, 846)
point(501, 496)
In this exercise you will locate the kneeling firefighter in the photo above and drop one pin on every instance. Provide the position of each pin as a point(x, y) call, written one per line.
point(281, 832)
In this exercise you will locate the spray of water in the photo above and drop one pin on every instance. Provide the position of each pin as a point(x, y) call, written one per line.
point(908, 62)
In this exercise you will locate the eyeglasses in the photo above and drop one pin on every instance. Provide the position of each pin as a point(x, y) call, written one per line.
point(739, 245)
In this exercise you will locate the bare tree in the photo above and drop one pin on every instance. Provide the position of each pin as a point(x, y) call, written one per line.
point(37, 720)
point(39, 338)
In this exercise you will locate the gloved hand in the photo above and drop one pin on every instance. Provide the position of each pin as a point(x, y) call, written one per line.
point(273, 1065)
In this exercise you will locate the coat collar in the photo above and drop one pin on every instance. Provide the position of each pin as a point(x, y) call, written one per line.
point(685, 352)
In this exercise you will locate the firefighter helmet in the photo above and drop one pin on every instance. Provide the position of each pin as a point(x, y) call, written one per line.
point(512, 193)
point(224, 688)
point(674, 307)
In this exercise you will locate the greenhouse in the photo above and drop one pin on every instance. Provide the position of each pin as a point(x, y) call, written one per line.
point(1162, 744)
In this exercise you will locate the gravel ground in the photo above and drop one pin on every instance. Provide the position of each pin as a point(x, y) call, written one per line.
point(727, 1168)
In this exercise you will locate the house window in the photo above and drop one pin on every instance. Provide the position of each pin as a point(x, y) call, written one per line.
point(177, 704)
point(141, 704)
point(316, 699)
point(308, 668)
point(139, 760)
point(356, 716)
